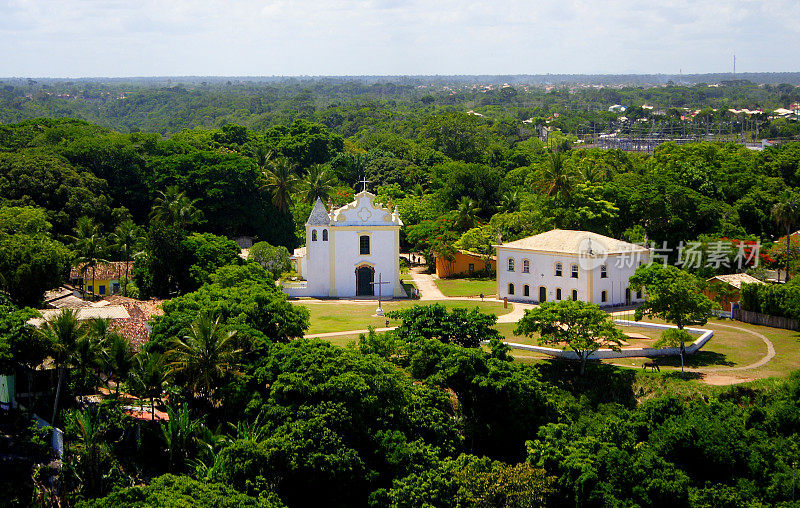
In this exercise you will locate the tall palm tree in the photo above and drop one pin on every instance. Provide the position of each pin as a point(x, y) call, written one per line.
point(280, 181)
point(148, 378)
point(205, 356)
point(466, 213)
point(126, 239)
point(172, 206)
point(63, 331)
point(317, 183)
point(786, 213)
point(557, 179)
point(90, 246)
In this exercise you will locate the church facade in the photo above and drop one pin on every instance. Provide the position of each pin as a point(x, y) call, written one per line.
point(349, 250)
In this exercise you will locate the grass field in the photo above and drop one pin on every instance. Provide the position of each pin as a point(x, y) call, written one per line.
point(340, 317)
point(467, 287)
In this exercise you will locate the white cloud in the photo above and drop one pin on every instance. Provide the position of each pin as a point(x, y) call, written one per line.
point(249, 37)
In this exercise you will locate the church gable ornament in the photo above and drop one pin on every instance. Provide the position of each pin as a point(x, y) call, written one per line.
point(364, 214)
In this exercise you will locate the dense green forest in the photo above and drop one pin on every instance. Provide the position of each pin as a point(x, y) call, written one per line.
point(167, 177)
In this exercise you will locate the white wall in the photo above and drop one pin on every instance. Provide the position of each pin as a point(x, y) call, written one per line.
point(383, 256)
point(542, 273)
point(316, 262)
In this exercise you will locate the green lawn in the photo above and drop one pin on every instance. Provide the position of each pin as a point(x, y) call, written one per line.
point(467, 287)
point(340, 317)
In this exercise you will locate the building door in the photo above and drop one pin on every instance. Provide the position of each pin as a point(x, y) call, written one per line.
point(365, 275)
point(542, 294)
point(627, 296)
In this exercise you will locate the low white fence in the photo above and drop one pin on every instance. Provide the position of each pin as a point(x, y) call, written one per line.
point(605, 354)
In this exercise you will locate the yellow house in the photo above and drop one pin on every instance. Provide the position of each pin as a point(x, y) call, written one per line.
point(107, 278)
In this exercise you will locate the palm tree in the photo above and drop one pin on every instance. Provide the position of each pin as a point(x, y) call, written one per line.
point(557, 179)
point(117, 357)
point(509, 202)
point(280, 181)
point(205, 356)
point(63, 331)
point(786, 213)
point(89, 433)
point(126, 239)
point(317, 183)
point(148, 378)
point(89, 245)
point(179, 434)
point(466, 213)
point(173, 207)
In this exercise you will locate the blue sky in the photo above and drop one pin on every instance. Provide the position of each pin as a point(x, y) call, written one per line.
point(79, 38)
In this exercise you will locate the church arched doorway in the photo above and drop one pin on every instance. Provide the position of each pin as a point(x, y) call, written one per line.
point(365, 276)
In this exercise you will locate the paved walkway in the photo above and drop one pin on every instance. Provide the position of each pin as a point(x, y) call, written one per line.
point(428, 290)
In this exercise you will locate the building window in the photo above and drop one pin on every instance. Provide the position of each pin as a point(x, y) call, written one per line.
point(575, 295)
point(324, 235)
point(114, 287)
point(510, 264)
point(558, 293)
point(558, 269)
point(526, 266)
point(639, 295)
point(313, 235)
point(526, 290)
point(604, 272)
point(574, 270)
point(364, 244)
point(603, 296)
point(103, 289)
point(511, 289)
point(471, 267)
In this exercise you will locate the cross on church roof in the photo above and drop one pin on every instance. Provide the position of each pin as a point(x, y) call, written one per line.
point(365, 182)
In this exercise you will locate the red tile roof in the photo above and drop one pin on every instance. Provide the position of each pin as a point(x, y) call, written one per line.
point(136, 328)
point(103, 271)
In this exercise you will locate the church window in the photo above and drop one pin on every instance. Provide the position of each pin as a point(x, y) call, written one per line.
point(604, 272)
point(558, 269)
point(526, 266)
point(574, 295)
point(558, 293)
point(364, 244)
point(603, 296)
point(510, 264)
point(313, 235)
point(511, 289)
point(324, 235)
point(526, 290)
point(574, 274)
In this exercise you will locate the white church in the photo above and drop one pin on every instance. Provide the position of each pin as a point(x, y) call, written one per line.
point(349, 250)
point(565, 264)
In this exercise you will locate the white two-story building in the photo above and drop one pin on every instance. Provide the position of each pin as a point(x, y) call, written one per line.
point(348, 249)
point(565, 264)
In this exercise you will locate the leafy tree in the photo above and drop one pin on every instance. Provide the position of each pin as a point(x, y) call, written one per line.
point(30, 265)
point(786, 213)
point(581, 326)
point(205, 356)
point(205, 253)
point(273, 258)
point(28, 220)
point(169, 490)
point(672, 295)
point(464, 327)
point(49, 182)
point(557, 178)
